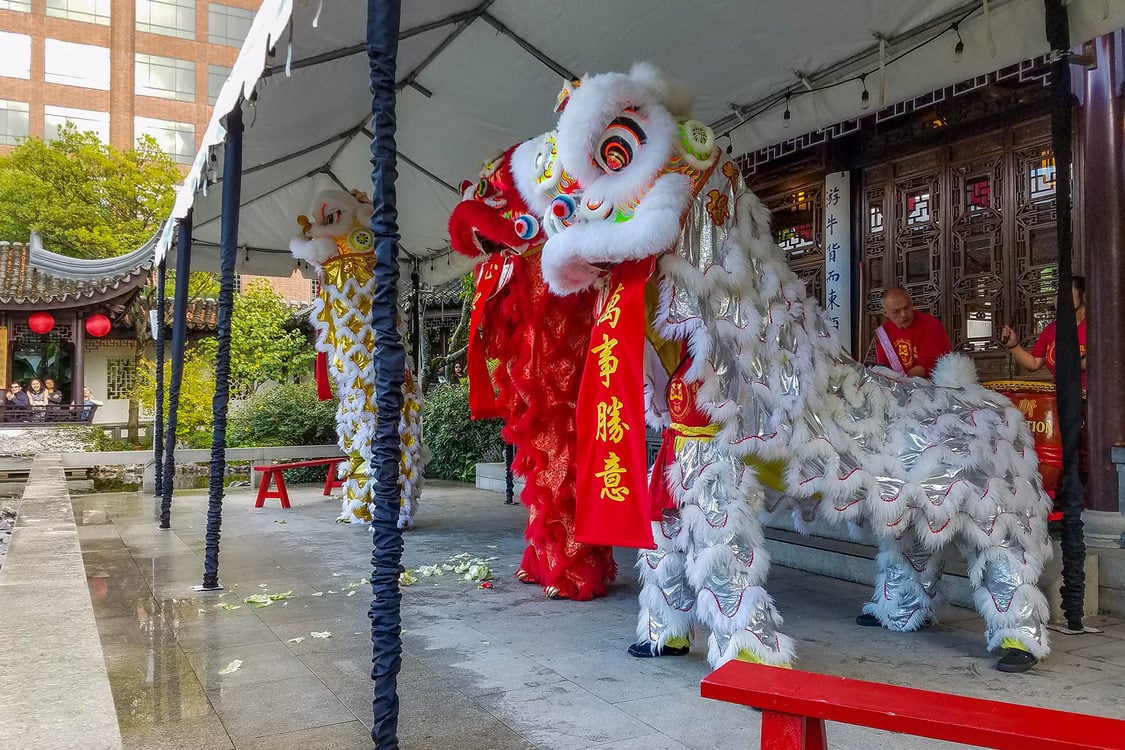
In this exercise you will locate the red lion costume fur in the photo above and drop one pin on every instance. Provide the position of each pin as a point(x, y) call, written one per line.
point(540, 342)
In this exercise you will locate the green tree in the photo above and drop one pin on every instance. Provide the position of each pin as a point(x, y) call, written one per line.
point(86, 199)
point(262, 347)
point(197, 389)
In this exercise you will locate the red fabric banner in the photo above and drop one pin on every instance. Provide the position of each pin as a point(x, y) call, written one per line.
point(613, 507)
point(323, 382)
point(482, 396)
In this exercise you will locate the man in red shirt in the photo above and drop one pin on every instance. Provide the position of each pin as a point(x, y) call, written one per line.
point(1043, 353)
point(910, 342)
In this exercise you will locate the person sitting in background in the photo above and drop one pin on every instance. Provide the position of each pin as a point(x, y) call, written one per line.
point(88, 401)
point(910, 342)
point(17, 404)
point(54, 398)
point(37, 400)
point(1043, 353)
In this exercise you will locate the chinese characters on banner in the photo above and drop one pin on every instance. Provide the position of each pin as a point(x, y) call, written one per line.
point(612, 467)
point(838, 254)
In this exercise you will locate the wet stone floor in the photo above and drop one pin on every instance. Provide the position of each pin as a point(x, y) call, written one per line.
point(483, 668)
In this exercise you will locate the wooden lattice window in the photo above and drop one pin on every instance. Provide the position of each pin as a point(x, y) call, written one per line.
point(121, 374)
point(798, 228)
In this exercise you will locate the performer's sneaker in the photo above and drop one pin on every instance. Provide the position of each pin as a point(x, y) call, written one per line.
point(1015, 661)
point(644, 650)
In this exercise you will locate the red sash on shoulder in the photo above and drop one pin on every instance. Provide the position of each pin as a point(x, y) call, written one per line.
point(612, 470)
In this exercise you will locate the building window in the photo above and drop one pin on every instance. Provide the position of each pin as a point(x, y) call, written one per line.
point(167, 17)
point(120, 376)
point(83, 119)
point(227, 25)
point(23, 6)
point(13, 122)
point(216, 77)
point(15, 61)
point(89, 11)
point(72, 64)
point(165, 77)
point(177, 139)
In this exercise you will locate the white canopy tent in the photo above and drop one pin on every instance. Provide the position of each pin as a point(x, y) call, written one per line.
point(475, 77)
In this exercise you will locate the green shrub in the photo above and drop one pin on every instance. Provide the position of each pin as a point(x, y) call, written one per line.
point(456, 442)
point(283, 415)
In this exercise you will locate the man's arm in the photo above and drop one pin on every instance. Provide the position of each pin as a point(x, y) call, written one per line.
point(1023, 357)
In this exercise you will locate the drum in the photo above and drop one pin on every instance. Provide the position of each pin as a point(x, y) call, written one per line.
point(1036, 399)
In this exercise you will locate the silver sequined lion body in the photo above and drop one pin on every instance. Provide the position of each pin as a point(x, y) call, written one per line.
point(794, 420)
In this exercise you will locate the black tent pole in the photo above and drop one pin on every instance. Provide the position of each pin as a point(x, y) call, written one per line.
point(179, 345)
point(228, 253)
point(389, 363)
point(1068, 373)
point(158, 422)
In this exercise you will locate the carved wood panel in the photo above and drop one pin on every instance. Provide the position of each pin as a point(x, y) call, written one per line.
point(798, 228)
point(969, 230)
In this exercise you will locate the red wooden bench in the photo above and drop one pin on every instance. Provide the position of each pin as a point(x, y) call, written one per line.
point(796, 704)
point(271, 475)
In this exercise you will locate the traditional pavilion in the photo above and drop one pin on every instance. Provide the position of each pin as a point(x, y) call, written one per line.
point(61, 317)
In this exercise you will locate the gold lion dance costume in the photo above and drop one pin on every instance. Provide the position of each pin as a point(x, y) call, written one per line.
point(538, 341)
point(338, 242)
point(702, 329)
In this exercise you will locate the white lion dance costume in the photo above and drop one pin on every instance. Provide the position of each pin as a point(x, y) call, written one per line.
point(338, 242)
point(761, 406)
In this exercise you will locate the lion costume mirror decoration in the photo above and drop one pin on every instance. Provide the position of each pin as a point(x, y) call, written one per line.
point(338, 242)
point(759, 405)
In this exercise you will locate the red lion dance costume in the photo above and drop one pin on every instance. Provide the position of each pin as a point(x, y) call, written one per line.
point(540, 342)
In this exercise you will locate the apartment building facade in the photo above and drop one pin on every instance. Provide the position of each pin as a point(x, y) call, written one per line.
point(120, 68)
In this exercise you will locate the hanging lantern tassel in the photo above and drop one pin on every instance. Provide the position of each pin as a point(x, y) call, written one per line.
point(41, 322)
point(98, 325)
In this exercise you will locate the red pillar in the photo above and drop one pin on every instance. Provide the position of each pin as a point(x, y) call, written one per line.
point(1104, 228)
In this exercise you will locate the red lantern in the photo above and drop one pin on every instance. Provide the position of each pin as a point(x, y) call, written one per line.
point(41, 322)
point(98, 325)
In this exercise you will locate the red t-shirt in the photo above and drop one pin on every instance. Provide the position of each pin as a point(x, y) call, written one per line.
point(1045, 347)
point(923, 343)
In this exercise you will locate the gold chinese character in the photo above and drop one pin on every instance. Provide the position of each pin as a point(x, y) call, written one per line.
point(612, 312)
point(610, 427)
point(607, 363)
point(611, 479)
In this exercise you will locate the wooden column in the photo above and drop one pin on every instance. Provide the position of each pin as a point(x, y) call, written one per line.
point(1104, 223)
point(78, 379)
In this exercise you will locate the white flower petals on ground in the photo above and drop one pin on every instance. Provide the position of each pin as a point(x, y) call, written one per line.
point(266, 599)
point(232, 667)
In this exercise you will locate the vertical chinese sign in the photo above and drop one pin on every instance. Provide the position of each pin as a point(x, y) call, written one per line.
point(838, 254)
point(612, 466)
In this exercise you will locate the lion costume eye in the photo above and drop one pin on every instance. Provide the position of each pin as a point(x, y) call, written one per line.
point(620, 141)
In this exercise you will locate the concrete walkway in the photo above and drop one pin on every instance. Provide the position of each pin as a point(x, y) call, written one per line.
point(487, 669)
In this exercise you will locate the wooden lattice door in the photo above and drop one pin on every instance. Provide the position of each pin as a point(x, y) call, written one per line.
point(969, 230)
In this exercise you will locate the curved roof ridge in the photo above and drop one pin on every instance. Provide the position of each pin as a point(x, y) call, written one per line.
point(82, 269)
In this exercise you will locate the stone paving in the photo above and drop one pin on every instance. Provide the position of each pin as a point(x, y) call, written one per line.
point(487, 669)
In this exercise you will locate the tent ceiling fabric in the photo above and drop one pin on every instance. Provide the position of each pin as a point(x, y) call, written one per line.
point(477, 77)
